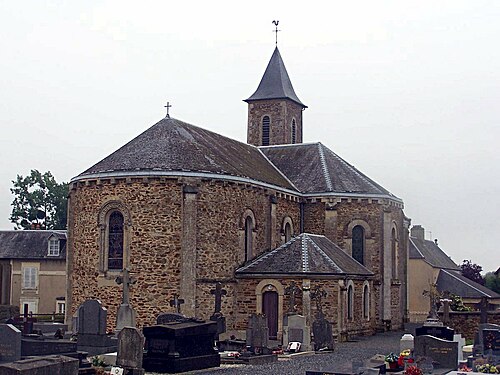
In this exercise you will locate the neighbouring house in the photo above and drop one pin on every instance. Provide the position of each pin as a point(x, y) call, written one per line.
point(429, 265)
point(33, 270)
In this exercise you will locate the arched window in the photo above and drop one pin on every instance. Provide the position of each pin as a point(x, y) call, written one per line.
point(350, 302)
point(265, 130)
point(294, 131)
point(358, 243)
point(248, 238)
point(394, 254)
point(366, 302)
point(115, 241)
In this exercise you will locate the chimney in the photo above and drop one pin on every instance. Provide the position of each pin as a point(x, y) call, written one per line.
point(418, 232)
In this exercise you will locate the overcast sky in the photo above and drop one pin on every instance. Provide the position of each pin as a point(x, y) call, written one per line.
point(407, 92)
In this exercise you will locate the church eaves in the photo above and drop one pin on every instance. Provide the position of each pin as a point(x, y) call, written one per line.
point(306, 254)
point(173, 147)
point(275, 83)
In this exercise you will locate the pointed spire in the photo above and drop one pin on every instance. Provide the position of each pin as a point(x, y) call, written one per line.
point(275, 83)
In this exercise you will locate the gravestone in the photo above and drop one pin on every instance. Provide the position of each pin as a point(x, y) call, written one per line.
point(46, 346)
point(296, 330)
point(257, 333)
point(92, 337)
point(180, 346)
point(53, 365)
point(491, 341)
point(481, 343)
point(461, 343)
point(130, 350)
point(438, 331)
point(10, 343)
point(443, 353)
point(323, 334)
point(176, 303)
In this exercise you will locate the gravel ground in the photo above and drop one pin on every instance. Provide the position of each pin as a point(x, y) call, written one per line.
point(362, 348)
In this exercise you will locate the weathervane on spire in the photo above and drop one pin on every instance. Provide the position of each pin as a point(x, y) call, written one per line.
point(276, 22)
point(167, 107)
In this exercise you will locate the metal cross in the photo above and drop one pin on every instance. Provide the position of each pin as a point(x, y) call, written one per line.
point(168, 106)
point(292, 290)
point(127, 281)
point(276, 30)
point(218, 292)
point(177, 302)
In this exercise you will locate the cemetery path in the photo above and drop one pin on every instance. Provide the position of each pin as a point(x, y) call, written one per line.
point(362, 348)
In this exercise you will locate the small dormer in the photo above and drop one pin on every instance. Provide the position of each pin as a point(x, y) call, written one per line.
point(54, 246)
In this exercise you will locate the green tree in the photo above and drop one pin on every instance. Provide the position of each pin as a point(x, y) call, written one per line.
point(492, 281)
point(472, 271)
point(40, 202)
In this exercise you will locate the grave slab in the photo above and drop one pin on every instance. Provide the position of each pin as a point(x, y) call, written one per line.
point(10, 343)
point(46, 365)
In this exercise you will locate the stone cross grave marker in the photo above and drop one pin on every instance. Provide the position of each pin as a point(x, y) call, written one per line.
point(126, 314)
point(10, 343)
point(257, 332)
point(218, 292)
point(317, 295)
point(130, 350)
point(323, 334)
point(176, 302)
point(295, 329)
point(292, 290)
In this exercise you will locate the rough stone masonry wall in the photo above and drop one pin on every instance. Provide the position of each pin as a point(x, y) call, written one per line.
point(155, 209)
point(280, 112)
point(467, 322)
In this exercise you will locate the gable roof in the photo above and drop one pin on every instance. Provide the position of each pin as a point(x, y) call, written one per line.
point(431, 253)
point(304, 255)
point(275, 83)
point(30, 244)
point(173, 145)
point(454, 282)
point(314, 168)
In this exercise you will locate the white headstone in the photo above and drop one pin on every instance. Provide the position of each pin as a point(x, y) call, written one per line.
point(406, 342)
point(461, 343)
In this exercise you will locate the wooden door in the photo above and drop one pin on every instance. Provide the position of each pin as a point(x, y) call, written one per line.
point(270, 309)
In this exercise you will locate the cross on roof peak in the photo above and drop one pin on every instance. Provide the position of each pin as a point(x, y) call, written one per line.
point(276, 22)
point(168, 106)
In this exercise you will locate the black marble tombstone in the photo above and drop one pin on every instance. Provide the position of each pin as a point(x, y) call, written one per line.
point(441, 332)
point(180, 346)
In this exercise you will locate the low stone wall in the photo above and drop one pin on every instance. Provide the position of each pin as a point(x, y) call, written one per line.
point(467, 322)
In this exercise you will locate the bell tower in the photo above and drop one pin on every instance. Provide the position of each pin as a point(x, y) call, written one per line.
point(274, 110)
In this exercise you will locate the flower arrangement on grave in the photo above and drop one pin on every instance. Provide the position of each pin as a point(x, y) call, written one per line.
point(404, 356)
point(413, 370)
point(391, 358)
point(488, 369)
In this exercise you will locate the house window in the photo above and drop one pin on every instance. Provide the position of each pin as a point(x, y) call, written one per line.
point(248, 237)
point(53, 247)
point(30, 277)
point(115, 241)
point(60, 307)
point(265, 130)
point(366, 302)
point(350, 302)
point(294, 131)
point(358, 243)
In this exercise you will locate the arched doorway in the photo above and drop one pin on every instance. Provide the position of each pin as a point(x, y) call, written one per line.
point(270, 309)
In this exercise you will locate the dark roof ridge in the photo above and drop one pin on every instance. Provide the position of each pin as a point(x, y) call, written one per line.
point(290, 145)
point(323, 254)
point(278, 170)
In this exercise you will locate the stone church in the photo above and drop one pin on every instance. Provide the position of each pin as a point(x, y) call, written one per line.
point(183, 208)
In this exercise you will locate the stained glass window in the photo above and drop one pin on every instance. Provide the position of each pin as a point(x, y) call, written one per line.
point(115, 243)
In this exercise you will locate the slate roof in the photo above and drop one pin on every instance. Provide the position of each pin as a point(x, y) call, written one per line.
point(30, 244)
point(431, 253)
point(173, 145)
point(306, 254)
point(275, 83)
point(454, 282)
point(314, 168)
